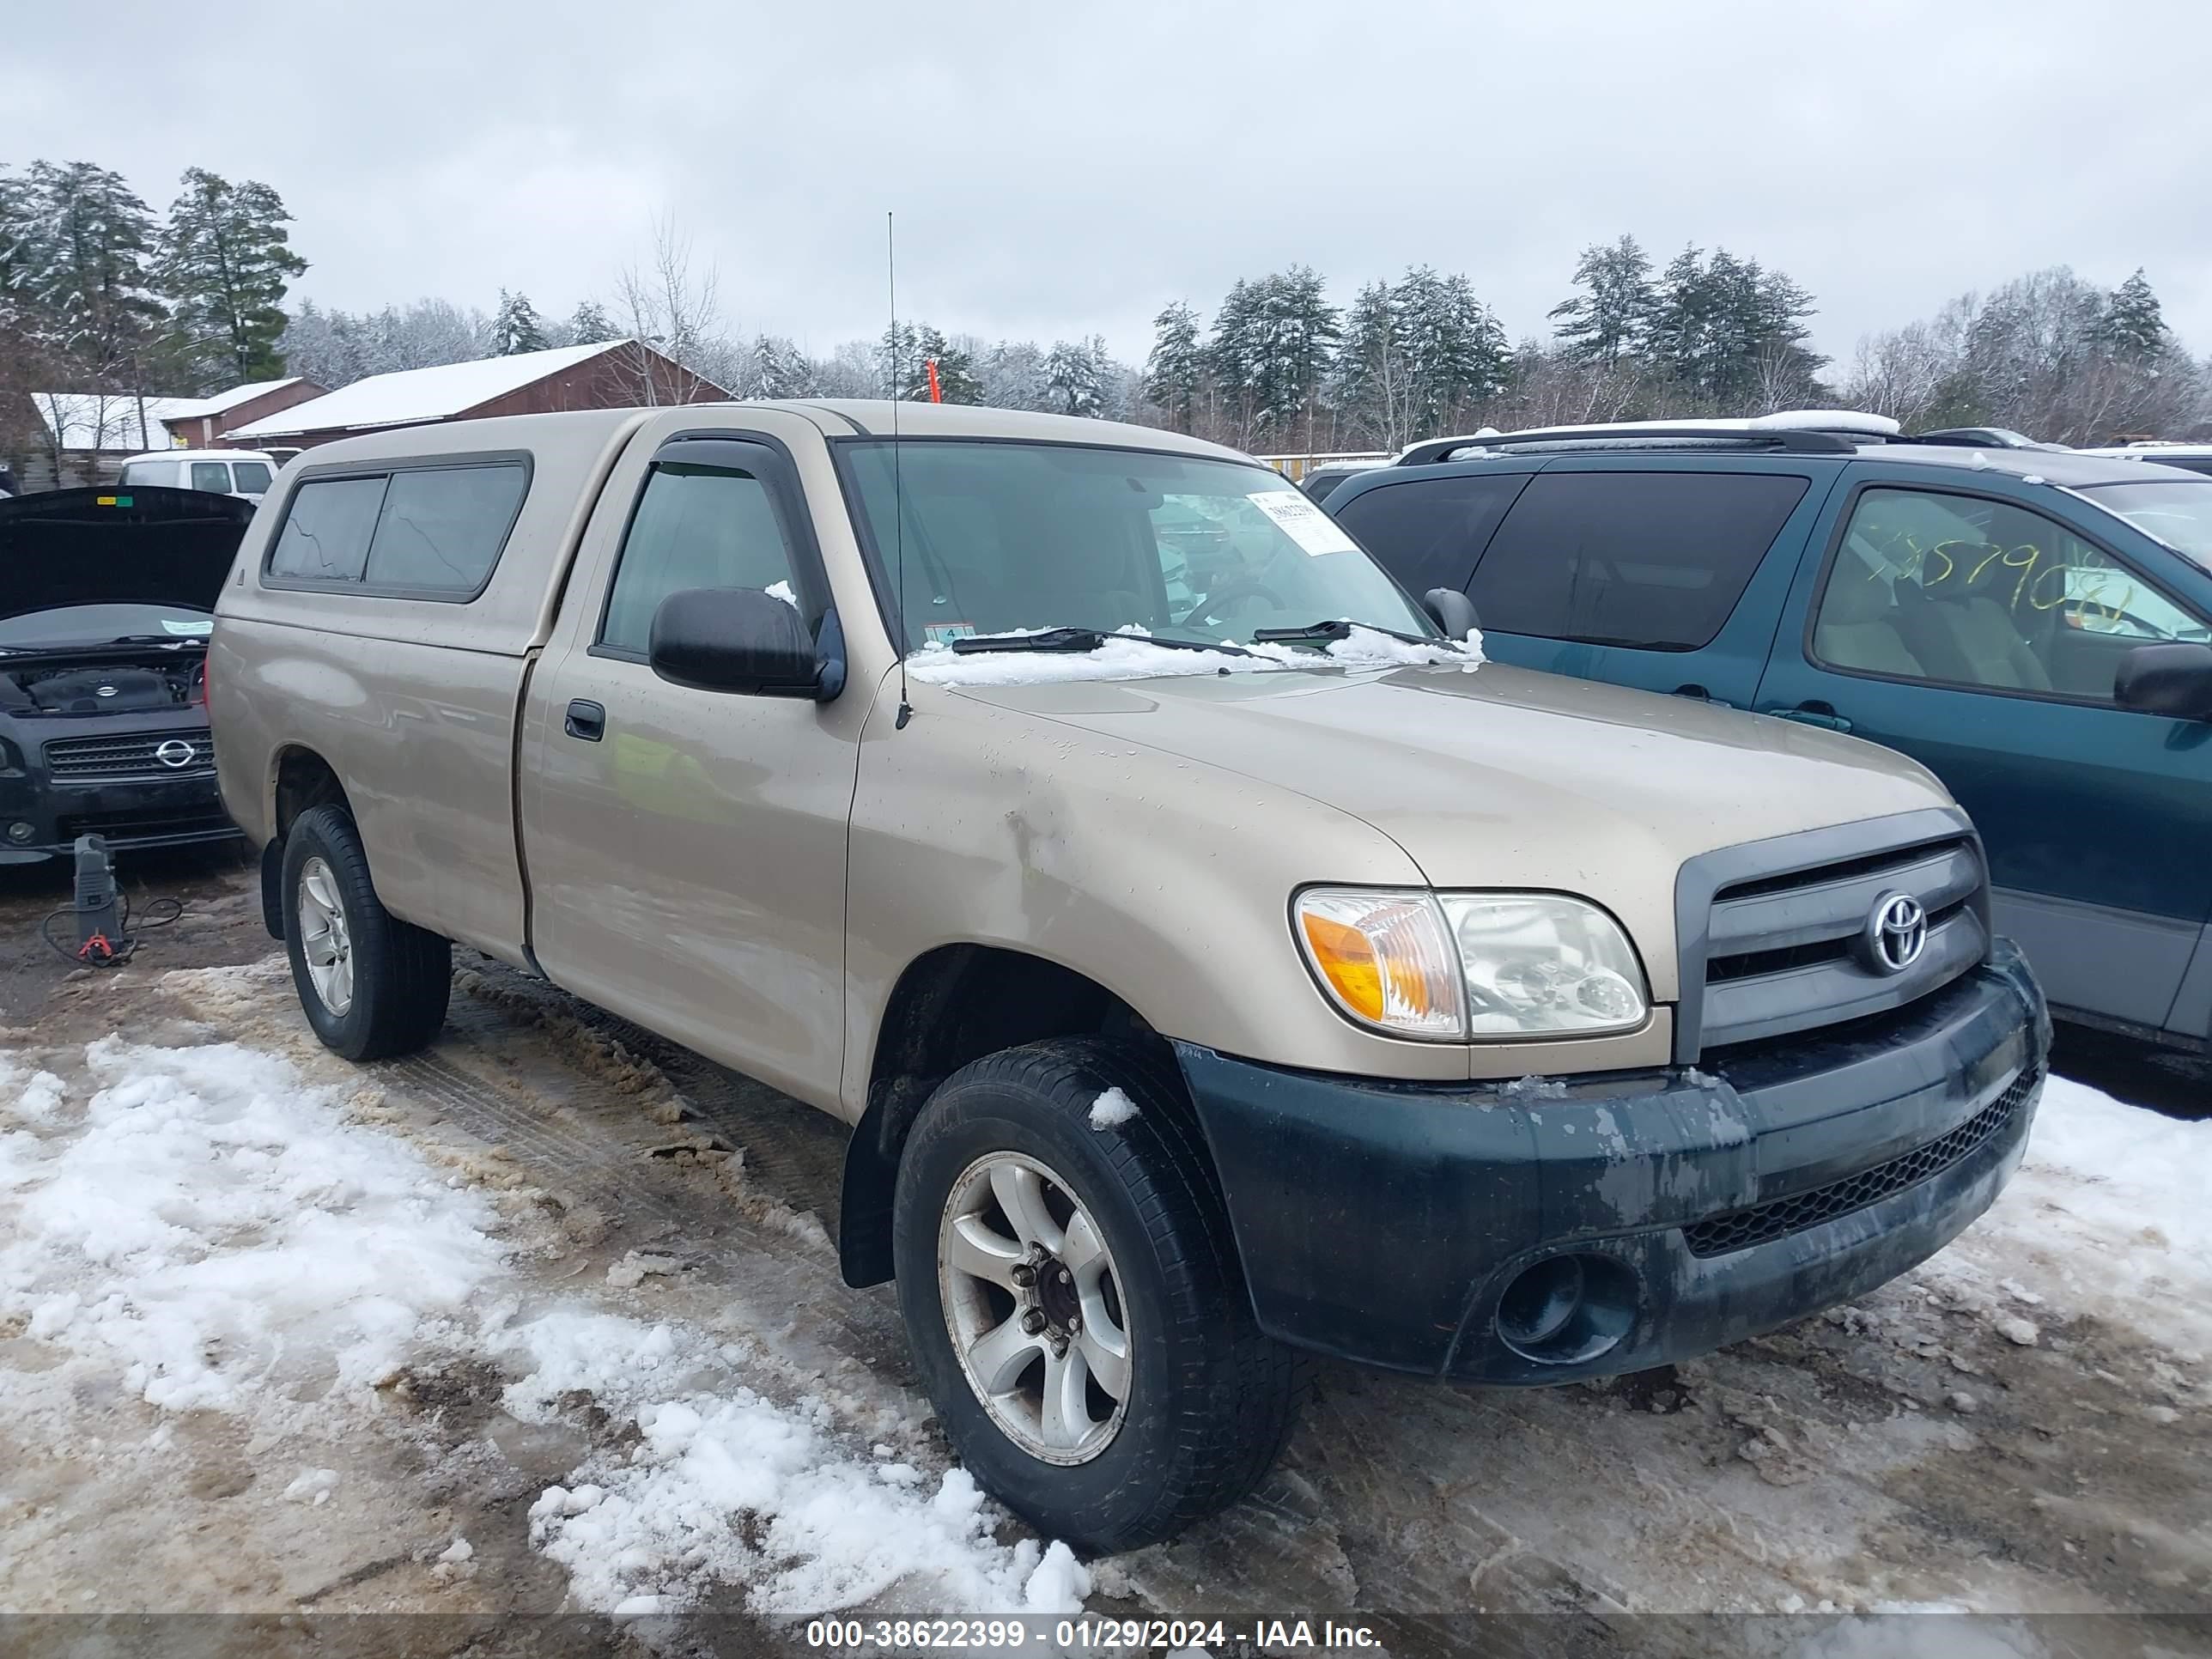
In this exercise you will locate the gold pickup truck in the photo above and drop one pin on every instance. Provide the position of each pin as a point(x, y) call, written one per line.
point(1216, 960)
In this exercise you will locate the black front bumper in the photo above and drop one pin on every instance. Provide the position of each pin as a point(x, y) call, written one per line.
point(133, 813)
point(1385, 1222)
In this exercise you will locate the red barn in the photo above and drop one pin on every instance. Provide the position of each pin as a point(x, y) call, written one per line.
point(613, 374)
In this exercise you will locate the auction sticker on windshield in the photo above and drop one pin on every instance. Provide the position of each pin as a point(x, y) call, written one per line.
point(1306, 523)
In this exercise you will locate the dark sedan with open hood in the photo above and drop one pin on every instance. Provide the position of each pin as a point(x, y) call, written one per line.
point(107, 601)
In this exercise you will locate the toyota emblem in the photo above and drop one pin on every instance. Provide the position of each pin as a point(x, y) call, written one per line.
point(175, 752)
point(1896, 932)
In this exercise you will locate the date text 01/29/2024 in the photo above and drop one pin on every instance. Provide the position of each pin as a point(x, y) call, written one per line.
point(1078, 1635)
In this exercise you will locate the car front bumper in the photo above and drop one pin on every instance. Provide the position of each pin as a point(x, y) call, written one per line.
point(132, 813)
point(1444, 1229)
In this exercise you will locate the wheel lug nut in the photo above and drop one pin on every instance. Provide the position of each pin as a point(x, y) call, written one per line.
point(1075, 1324)
point(1033, 1321)
point(1025, 1275)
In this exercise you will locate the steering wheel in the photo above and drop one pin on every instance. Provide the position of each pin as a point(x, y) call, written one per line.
point(1230, 593)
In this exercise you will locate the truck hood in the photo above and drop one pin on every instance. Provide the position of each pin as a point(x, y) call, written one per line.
point(151, 546)
point(1506, 777)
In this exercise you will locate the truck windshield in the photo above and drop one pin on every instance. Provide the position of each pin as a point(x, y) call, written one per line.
point(2178, 513)
point(1006, 536)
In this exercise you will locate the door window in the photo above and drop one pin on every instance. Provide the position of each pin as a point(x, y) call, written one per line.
point(1651, 560)
point(253, 477)
point(694, 526)
point(1428, 532)
point(1966, 590)
point(211, 475)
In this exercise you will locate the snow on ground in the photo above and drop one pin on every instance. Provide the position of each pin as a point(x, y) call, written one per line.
point(1129, 655)
point(211, 1233)
point(202, 1216)
point(202, 1230)
point(2109, 1212)
point(642, 1531)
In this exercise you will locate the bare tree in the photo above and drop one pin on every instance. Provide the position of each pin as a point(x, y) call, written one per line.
point(668, 307)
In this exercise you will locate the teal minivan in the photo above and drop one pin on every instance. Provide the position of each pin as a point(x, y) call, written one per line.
point(2033, 625)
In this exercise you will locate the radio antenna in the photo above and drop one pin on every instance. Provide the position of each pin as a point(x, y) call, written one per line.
point(898, 493)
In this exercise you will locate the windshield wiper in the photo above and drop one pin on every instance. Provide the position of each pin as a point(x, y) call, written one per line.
point(1080, 640)
point(1336, 628)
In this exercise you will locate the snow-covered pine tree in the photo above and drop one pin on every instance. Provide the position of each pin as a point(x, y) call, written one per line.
point(1682, 319)
point(1606, 322)
point(1302, 337)
point(515, 327)
point(589, 325)
point(1013, 376)
point(226, 260)
point(956, 382)
point(780, 369)
point(2133, 328)
point(1177, 365)
point(80, 266)
point(1371, 389)
point(1074, 374)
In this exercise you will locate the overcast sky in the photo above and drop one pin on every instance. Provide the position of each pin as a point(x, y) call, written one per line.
point(1060, 169)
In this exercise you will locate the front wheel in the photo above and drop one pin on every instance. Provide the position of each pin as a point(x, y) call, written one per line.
point(370, 984)
point(1072, 1296)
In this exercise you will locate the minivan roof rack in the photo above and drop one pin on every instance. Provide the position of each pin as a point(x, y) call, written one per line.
point(1792, 439)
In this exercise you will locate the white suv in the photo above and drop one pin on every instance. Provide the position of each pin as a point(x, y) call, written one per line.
point(246, 472)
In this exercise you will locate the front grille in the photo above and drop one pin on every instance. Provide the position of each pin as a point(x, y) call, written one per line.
point(131, 756)
point(1784, 949)
point(1739, 1230)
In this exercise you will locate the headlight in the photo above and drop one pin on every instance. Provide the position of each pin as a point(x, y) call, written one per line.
point(1461, 966)
point(1539, 965)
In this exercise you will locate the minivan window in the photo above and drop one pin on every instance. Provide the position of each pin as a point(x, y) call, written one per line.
point(2177, 514)
point(253, 477)
point(1002, 536)
point(1653, 560)
point(326, 532)
point(149, 473)
point(211, 475)
point(694, 526)
point(1968, 591)
point(442, 528)
point(1428, 532)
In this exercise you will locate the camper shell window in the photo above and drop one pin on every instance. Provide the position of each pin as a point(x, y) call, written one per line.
point(420, 530)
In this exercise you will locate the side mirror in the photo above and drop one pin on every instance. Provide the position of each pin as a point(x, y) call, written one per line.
point(2174, 680)
point(737, 639)
point(1451, 611)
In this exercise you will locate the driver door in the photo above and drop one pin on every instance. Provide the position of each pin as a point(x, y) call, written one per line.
point(1980, 636)
point(686, 847)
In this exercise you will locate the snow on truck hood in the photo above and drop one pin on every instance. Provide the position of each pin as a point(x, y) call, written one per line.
point(114, 545)
point(1505, 776)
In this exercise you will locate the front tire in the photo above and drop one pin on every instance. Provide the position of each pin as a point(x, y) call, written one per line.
point(1074, 1301)
point(370, 984)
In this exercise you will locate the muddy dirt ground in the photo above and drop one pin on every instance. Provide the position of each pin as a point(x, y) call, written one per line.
point(1902, 1452)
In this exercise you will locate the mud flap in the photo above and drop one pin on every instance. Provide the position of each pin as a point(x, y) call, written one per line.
point(272, 889)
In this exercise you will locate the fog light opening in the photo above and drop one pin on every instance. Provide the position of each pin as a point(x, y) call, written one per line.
point(22, 832)
point(1567, 1310)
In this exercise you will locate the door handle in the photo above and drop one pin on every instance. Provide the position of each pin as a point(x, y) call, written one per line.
point(1816, 714)
point(587, 720)
point(1697, 693)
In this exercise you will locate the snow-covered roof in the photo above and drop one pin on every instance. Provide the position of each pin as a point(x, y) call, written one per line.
point(110, 420)
point(413, 395)
point(236, 396)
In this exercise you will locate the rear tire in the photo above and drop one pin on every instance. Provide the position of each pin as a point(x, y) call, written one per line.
point(370, 984)
point(1206, 1401)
